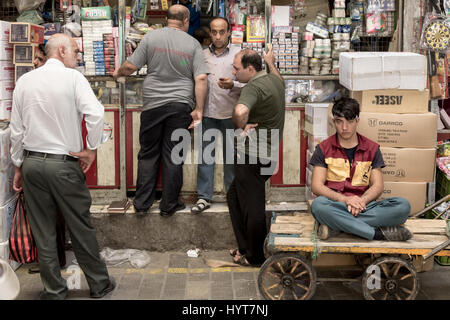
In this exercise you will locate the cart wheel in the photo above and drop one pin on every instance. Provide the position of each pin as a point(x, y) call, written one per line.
point(390, 278)
point(287, 276)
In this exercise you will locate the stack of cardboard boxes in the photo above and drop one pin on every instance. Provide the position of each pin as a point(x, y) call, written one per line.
point(25, 37)
point(316, 115)
point(6, 72)
point(391, 90)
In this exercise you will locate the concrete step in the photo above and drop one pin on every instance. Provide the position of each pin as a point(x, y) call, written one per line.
point(209, 230)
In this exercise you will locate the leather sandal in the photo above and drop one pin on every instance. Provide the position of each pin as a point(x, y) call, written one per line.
point(200, 206)
point(242, 261)
point(234, 252)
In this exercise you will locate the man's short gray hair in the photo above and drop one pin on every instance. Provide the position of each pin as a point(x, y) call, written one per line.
point(56, 41)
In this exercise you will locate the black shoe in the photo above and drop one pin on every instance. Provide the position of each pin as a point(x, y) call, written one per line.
point(141, 212)
point(110, 287)
point(396, 233)
point(178, 207)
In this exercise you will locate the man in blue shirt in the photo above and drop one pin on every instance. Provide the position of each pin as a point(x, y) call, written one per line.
point(194, 21)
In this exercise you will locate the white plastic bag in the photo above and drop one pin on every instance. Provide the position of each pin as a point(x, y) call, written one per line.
point(137, 258)
point(23, 5)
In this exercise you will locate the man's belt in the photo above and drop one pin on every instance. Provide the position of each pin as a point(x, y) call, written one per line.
point(27, 153)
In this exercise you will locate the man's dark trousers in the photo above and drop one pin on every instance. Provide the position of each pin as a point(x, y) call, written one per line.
point(247, 206)
point(50, 184)
point(155, 137)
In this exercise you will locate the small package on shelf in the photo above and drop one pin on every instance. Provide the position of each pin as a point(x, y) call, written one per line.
point(21, 69)
point(24, 53)
point(5, 109)
point(256, 29)
point(6, 51)
point(24, 32)
point(4, 30)
point(6, 70)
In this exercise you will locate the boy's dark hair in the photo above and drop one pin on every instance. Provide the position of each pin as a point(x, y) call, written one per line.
point(41, 48)
point(224, 19)
point(252, 58)
point(347, 108)
point(201, 34)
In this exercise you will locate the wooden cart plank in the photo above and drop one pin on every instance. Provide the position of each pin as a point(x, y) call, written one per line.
point(297, 228)
point(295, 219)
point(418, 241)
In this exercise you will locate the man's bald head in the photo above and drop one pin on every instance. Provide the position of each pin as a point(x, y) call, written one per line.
point(178, 12)
point(64, 48)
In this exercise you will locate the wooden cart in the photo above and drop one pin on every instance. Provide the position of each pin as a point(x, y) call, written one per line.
point(288, 273)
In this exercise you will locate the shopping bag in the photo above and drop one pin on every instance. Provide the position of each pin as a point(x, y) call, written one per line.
point(22, 247)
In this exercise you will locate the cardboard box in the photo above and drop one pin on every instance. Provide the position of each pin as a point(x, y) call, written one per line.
point(4, 31)
point(308, 177)
point(24, 32)
point(314, 140)
point(382, 70)
point(6, 217)
point(308, 194)
point(414, 192)
point(21, 69)
point(399, 130)
point(5, 109)
point(316, 118)
point(24, 53)
point(6, 70)
point(6, 89)
point(392, 101)
point(6, 51)
point(408, 164)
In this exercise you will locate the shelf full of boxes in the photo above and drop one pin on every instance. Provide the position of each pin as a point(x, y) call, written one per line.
point(394, 113)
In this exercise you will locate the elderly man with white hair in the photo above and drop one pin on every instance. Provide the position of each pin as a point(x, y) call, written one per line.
point(47, 149)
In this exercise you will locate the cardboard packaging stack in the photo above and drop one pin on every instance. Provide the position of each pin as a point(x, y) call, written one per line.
point(6, 72)
point(93, 32)
point(316, 129)
point(25, 37)
point(391, 90)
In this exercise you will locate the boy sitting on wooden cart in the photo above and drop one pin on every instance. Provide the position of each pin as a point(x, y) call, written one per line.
point(347, 179)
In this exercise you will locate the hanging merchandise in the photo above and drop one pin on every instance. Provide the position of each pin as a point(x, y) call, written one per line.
point(447, 7)
point(435, 33)
point(139, 9)
point(375, 17)
point(237, 34)
point(299, 9)
point(256, 29)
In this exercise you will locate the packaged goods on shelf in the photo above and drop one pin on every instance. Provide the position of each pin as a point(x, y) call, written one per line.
point(5, 109)
point(24, 53)
point(4, 30)
point(21, 69)
point(6, 70)
point(6, 51)
point(6, 89)
point(24, 32)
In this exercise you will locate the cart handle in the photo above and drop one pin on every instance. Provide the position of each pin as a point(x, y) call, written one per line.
point(434, 205)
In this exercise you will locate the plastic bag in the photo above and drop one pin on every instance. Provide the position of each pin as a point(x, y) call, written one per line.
point(31, 16)
point(24, 5)
point(137, 258)
point(72, 29)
